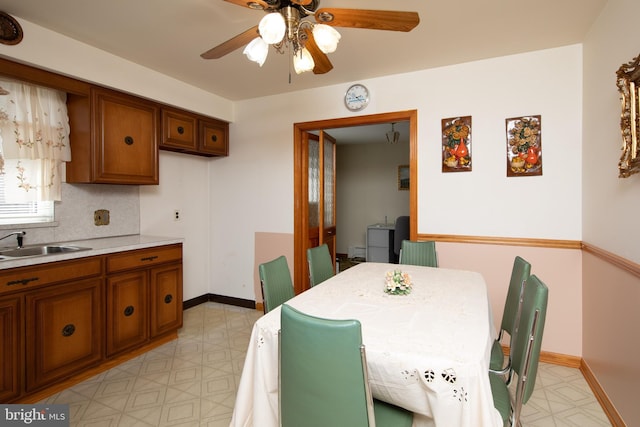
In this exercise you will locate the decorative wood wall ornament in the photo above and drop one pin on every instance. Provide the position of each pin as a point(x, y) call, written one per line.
point(10, 30)
point(456, 144)
point(524, 146)
point(628, 82)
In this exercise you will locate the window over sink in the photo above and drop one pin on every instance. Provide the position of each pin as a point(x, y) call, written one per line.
point(24, 213)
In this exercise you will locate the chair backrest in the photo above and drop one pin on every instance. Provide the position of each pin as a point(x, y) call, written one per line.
point(276, 283)
point(400, 233)
point(322, 374)
point(519, 275)
point(320, 264)
point(528, 340)
point(419, 253)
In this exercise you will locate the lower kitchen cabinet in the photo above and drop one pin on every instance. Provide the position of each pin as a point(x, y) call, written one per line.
point(11, 348)
point(64, 325)
point(166, 299)
point(127, 311)
point(60, 319)
point(144, 303)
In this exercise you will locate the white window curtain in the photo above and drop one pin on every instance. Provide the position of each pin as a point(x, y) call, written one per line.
point(34, 141)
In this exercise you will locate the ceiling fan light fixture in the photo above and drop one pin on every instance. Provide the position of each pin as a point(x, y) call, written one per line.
point(272, 28)
point(257, 51)
point(326, 38)
point(303, 61)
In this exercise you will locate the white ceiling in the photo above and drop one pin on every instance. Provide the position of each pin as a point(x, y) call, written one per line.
point(169, 36)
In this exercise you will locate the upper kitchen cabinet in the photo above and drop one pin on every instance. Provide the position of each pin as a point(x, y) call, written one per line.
point(114, 138)
point(190, 133)
point(214, 137)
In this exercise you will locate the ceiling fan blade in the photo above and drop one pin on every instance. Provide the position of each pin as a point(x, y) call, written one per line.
point(320, 59)
point(231, 44)
point(253, 4)
point(389, 20)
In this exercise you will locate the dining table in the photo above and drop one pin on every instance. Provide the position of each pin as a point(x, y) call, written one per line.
point(427, 351)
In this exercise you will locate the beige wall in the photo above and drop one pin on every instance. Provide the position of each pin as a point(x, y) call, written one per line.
point(611, 345)
point(270, 246)
point(560, 269)
point(611, 342)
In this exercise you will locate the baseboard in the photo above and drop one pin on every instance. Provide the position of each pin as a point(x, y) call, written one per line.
point(238, 302)
point(602, 397)
point(579, 363)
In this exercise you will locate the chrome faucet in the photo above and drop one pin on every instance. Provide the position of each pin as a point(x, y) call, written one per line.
point(19, 235)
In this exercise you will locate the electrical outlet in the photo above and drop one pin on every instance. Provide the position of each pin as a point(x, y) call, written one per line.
point(101, 217)
point(176, 215)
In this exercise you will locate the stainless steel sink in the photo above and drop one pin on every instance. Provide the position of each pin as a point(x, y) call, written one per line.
point(38, 250)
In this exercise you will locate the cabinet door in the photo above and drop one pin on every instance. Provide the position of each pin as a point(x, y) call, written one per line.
point(127, 312)
point(125, 133)
point(64, 326)
point(214, 138)
point(178, 131)
point(166, 299)
point(10, 348)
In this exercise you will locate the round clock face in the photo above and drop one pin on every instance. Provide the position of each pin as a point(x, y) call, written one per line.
point(357, 97)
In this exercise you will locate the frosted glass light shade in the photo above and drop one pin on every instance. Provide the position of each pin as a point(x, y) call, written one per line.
point(272, 27)
point(257, 51)
point(302, 61)
point(326, 37)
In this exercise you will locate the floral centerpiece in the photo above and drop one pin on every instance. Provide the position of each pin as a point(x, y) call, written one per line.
point(397, 283)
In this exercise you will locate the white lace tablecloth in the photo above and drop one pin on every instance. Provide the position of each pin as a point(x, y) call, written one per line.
point(427, 351)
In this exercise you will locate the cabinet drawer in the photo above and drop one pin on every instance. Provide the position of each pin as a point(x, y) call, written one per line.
point(21, 278)
point(143, 257)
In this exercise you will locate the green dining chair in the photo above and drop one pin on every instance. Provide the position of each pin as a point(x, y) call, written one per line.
point(320, 264)
point(519, 274)
point(526, 354)
point(276, 283)
point(419, 253)
point(323, 376)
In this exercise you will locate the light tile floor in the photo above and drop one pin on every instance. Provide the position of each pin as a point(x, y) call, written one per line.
point(192, 381)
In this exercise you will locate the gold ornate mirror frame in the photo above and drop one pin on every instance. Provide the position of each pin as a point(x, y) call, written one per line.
point(628, 82)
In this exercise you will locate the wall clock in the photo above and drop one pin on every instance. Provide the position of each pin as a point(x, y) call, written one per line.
point(357, 97)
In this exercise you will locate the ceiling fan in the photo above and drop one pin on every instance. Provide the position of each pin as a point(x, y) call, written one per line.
point(286, 27)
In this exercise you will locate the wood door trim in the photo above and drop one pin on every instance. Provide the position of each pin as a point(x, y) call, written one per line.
point(299, 161)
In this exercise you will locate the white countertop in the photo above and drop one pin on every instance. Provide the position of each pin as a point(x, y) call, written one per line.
point(99, 246)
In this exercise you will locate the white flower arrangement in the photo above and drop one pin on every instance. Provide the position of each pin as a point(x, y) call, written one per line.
point(397, 283)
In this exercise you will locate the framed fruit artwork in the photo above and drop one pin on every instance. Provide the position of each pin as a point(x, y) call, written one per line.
point(456, 144)
point(524, 146)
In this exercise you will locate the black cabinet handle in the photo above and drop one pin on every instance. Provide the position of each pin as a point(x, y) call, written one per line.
point(214, 138)
point(22, 281)
point(68, 330)
point(149, 258)
point(128, 140)
point(168, 298)
point(180, 130)
point(128, 311)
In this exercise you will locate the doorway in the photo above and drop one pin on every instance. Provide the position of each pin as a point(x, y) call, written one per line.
point(301, 199)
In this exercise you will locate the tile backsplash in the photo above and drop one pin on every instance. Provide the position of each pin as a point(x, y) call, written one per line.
point(74, 215)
